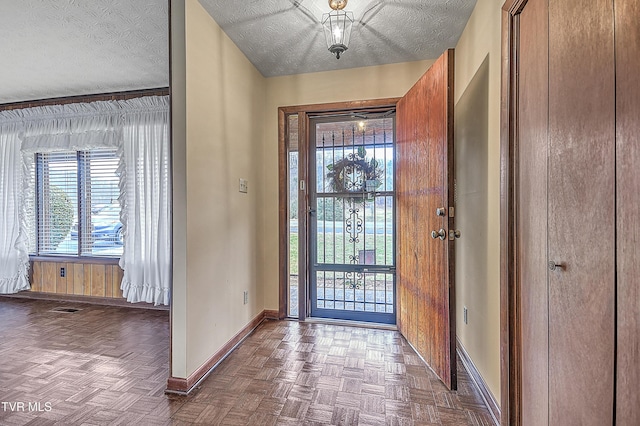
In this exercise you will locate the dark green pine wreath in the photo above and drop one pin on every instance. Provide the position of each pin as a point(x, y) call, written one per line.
point(349, 165)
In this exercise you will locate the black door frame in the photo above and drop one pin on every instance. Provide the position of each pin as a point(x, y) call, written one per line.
point(303, 112)
point(312, 221)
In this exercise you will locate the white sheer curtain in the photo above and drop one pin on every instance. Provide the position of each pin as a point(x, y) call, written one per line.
point(139, 129)
point(145, 193)
point(14, 256)
point(71, 127)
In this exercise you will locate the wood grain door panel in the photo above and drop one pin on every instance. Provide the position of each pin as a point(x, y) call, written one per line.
point(628, 210)
point(533, 118)
point(593, 213)
point(424, 165)
point(581, 217)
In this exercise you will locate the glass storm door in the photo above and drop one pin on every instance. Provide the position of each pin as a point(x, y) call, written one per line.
point(352, 235)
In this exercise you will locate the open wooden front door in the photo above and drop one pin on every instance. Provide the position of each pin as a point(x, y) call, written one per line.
point(425, 216)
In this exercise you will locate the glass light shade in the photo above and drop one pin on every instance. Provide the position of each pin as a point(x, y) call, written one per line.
point(337, 30)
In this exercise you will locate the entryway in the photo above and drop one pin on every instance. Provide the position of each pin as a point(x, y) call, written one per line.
point(351, 198)
point(346, 171)
point(340, 212)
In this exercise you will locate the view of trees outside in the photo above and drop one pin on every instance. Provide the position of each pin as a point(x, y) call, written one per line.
point(57, 201)
point(292, 138)
point(61, 218)
point(293, 185)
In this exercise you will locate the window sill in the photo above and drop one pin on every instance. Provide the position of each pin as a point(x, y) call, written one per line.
point(76, 259)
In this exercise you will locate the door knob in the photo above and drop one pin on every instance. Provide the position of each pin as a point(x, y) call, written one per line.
point(553, 265)
point(454, 234)
point(439, 234)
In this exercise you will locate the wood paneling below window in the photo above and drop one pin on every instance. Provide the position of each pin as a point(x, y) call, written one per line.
point(81, 279)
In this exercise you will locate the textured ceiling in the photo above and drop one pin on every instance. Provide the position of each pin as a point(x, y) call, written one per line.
point(282, 37)
point(52, 48)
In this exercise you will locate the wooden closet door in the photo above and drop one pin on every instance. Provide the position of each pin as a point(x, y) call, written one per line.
point(533, 119)
point(628, 210)
point(581, 212)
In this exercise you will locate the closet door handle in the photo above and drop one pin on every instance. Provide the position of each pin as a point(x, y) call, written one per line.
point(553, 265)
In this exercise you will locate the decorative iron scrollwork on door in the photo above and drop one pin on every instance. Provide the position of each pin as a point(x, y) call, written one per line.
point(354, 174)
point(353, 224)
point(353, 281)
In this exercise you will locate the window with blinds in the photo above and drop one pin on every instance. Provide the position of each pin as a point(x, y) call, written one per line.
point(78, 212)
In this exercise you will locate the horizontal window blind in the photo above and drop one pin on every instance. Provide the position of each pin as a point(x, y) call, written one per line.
point(30, 207)
point(57, 206)
point(77, 204)
point(100, 208)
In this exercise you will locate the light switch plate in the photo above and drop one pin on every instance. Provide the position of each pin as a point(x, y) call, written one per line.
point(244, 185)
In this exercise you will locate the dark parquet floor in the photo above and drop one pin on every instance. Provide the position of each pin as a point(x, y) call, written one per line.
point(109, 365)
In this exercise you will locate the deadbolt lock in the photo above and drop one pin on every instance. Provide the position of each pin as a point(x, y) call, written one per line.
point(439, 234)
point(441, 211)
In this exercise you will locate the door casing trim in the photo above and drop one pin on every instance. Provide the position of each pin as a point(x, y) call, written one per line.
point(510, 322)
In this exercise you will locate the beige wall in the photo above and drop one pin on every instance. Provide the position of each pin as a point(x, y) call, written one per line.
point(179, 186)
point(477, 146)
point(387, 81)
point(216, 142)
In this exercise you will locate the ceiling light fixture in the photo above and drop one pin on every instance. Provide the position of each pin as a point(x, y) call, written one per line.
point(337, 27)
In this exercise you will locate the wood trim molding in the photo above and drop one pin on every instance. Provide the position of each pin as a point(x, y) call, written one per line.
point(283, 207)
point(341, 106)
point(75, 259)
point(510, 333)
point(72, 298)
point(114, 96)
point(489, 400)
point(183, 386)
point(451, 56)
point(272, 314)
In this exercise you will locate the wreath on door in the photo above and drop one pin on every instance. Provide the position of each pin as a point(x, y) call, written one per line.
point(354, 174)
